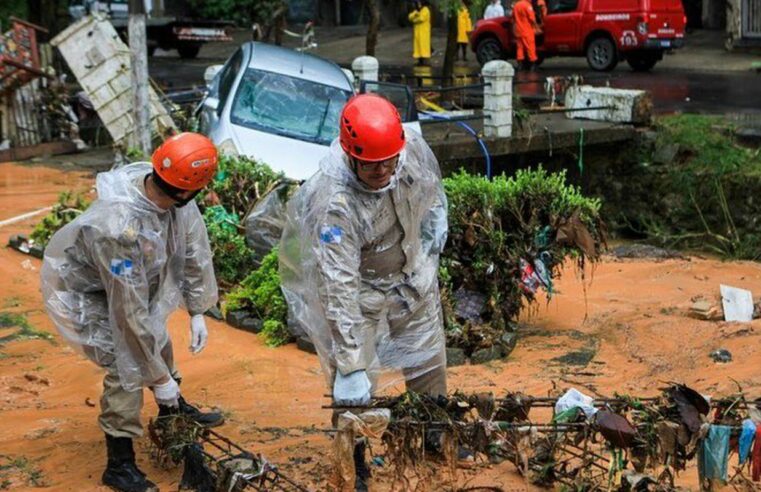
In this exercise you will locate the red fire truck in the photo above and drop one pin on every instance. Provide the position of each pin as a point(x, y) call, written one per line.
point(604, 31)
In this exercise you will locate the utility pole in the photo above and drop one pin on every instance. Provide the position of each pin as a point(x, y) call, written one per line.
point(139, 62)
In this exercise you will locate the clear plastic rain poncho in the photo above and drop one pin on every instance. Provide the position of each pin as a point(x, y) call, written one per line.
point(111, 278)
point(264, 223)
point(359, 267)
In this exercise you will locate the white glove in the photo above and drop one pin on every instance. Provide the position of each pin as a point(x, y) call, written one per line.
point(198, 333)
point(352, 389)
point(168, 393)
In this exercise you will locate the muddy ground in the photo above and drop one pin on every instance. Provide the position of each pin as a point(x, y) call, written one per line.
point(628, 334)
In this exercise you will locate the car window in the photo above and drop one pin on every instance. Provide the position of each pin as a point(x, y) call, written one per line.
point(560, 6)
point(227, 78)
point(399, 95)
point(288, 106)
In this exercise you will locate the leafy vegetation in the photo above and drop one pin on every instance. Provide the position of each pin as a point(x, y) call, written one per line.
point(692, 188)
point(500, 231)
point(25, 330)
point(260, 294)
point(240, 182)
point(68, 208)
point(233, 259)
point(242, 12)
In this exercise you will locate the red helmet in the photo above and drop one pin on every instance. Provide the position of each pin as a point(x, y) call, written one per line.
point(371, 128)
point(187, 161)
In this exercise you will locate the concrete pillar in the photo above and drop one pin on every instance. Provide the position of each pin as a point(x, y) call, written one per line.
point(498, 98)
point(365, 68)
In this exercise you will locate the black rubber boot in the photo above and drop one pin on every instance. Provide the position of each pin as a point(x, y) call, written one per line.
point(122, 473)
point(360, 467)
point(206, 419)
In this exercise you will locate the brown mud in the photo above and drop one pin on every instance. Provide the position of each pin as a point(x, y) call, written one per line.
point(628, 334)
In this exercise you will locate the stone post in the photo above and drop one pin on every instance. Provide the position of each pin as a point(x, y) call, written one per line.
point(498, 99)
point(365, 68)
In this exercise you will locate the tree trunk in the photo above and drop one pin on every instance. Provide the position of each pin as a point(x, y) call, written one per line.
point(48, 14)
point(139, 61)
point(451, 51)
point(280, 23)
point(372, 29)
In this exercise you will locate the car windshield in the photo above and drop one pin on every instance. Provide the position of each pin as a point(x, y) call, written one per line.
point(288, 106)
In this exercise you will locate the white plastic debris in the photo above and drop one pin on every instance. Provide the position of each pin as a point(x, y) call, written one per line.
point(575, 398)
point(737, 303)
point(27, 265)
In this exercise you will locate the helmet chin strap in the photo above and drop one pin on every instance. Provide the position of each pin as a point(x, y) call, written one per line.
point(173, 192)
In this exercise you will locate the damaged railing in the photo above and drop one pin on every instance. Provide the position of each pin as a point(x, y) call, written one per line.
point(639, 435)
point(213, 462)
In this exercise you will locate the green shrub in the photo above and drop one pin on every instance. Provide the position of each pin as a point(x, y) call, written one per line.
point(68, 208)
point(493, 225)
point(233, 259)
point(259, 293)
point(239, 183)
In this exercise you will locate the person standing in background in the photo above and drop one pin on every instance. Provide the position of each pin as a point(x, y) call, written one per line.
point(464, 27)
point(494, 9)
point(421, 32)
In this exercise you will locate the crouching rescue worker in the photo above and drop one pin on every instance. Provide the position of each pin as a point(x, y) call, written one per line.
point(359, 258)
point(112, 277)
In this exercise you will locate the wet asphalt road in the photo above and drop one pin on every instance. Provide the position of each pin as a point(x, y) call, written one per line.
point(672, 90)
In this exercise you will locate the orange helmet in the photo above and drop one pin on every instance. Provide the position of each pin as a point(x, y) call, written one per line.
point(371, 128)
point(187, 161)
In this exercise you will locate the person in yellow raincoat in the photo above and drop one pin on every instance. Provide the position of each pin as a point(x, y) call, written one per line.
point(421, 24)
point(464, 26)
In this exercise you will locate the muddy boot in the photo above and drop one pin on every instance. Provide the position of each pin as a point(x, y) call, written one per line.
point(206, 419)
point(360, 467)
point(122, 473)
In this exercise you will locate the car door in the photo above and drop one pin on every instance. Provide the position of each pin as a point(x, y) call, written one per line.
point(400, 96)
point(219, 93)
point(561, 26)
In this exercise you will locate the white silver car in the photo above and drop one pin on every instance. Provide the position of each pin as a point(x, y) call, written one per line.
point(282, 106)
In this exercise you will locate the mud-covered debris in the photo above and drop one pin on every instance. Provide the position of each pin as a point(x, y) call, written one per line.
point(646, 251)
point(707, 310)
point(721, 355)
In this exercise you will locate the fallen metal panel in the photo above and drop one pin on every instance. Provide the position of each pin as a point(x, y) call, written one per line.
point(101, 63)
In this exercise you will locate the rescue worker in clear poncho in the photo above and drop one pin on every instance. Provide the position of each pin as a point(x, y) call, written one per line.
point(359, 258)
point(111, 278)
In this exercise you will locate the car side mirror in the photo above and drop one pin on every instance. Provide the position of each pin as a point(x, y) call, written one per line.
point(211, 103)
point(210, 73)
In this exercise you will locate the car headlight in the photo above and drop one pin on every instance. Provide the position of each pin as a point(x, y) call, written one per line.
point(228, 147)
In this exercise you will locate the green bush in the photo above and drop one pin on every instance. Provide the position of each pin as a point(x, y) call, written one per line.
point(242, 12)
point(68, 208)
point(239, 183)
point(233, 259)
point(494, 226)
point(259, 293)
point(694, 186)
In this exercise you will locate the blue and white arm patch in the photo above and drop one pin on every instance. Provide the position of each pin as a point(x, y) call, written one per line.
point(121, 267)
point(331, 234)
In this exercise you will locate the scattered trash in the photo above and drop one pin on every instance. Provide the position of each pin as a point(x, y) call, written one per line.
point(27, 265)
point(706, 310)
point(22, 244)
point(738, 304)
point(721, 355)
point(469, 305)
point(574, 398)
